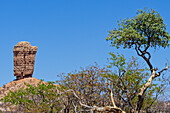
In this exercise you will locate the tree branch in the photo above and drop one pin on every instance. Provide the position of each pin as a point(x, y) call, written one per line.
point(146, 85)
point(137, 48)
point(113, 108)
point(155, 98)
point(128, 102)
point(113, 102)
point(159, 73)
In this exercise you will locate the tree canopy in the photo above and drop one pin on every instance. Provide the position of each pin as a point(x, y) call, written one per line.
point(145, 29)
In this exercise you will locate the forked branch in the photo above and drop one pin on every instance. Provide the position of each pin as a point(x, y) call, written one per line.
point(142, 54)
point(146, 85)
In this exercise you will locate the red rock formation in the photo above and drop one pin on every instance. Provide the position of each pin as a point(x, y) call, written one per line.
point(16, 85)
point(24, 59)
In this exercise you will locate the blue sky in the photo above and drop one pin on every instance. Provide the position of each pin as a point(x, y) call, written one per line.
point(69, 33)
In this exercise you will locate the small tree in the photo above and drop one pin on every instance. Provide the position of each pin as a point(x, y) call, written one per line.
point(143, 31)
point(89, 84)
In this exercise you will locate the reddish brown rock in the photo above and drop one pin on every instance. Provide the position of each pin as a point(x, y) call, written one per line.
point(16, 85)
point(24, 59)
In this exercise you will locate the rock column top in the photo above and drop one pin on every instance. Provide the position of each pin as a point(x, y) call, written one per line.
point(24, 59)
point(24, 46)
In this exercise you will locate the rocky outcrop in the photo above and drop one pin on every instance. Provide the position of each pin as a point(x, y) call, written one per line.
point(16, 85)
point(24, 59)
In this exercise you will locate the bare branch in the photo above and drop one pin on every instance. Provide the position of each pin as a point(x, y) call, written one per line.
point(137, 48)
point(157, 94)
point(111, 96)
point(146, 85)
point(134, 95)
point(147, 48)
point(75, 107)
point(113, 108)
point(159, 73)
point(122, 80)
point(128, 102)
point(148, 55)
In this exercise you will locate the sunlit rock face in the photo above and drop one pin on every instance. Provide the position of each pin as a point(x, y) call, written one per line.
point(24, 59)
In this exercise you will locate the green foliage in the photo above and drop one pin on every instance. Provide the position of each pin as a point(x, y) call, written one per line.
point(41, 98)
point(147, 28)
point(126, 78)
point(91, 84)
point(123, 77)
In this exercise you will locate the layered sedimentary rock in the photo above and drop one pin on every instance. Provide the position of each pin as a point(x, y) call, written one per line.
point(24, 59)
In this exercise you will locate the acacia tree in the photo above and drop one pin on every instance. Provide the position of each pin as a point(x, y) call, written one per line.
point(144, 31)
